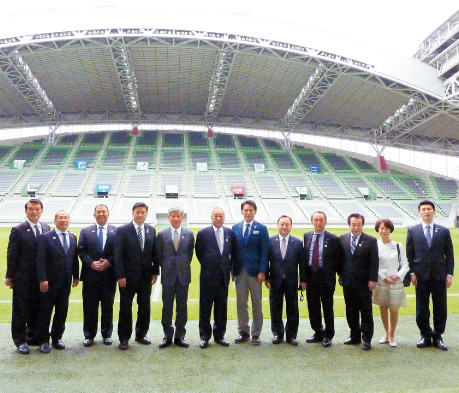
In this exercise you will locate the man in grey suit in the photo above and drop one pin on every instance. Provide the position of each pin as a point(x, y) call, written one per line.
point(174, 251)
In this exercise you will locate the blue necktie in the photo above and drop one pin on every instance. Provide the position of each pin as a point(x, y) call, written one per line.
point(353, 244)
point(100, 239)
point(64, 243)
point(428, 236)
point(246, 233)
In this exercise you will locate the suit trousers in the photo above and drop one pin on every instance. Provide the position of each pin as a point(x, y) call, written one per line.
point(179, 293)
point(244, 285)
point(359, 308)
point(95, 292)
point(57, 297)
point(26, 303)
point(276, 303)
point(320, 297)
point(436, 288)
point(215, 295)
point(142, 287)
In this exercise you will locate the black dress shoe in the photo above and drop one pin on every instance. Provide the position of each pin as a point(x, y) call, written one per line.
point(23, 349)
point(108, 341)
point(351, 341)
point(88, 342)
point(58, 344)
point(123, 345)
point(277, 339)
point(292, 341)
point(44, 348)
point(366, 346)
point(143, 340)
point(181, 342)
point(165, 343)
point(256, 340)
point(326, 342)
point(314, 339)
point(425, 342)
point(242, 338)
point(438, 343)
point(222, 342)
point(203, 343)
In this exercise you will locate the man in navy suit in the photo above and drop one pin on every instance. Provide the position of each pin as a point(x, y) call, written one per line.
point(21, 276)
point(323, 259)
point(96, 251)
point(429, 250)
point(136, 270)
point(213, 250)
point(359, 278)
point(57, 262)
point(174, 252)
point(250, 266)
point(285, 256)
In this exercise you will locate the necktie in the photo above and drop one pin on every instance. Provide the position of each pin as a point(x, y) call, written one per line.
point(283, 247)
point(428, 235)
point(219, 241)
point(37, 231)
point(100, 239)
point(64, 243)
point(353, 244)
point(246, 233)
point(176, 240)
point(315, 254)
point(140, 237)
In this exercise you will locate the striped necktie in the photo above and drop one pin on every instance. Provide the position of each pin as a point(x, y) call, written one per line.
point(140, 237)
point(64, 243)
point(353, 244)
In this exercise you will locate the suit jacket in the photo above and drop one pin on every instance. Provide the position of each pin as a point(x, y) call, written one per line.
point(208, 254)
point(53, 264)
point(363, 266)
point(175, 263)
point(130, 261)
point(88, 250)
point(436, 261)
point(332, 258)
point(21, 254)
point(254, 254)
point(288, 266)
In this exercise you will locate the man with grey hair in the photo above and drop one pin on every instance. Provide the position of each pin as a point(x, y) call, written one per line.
point(214, 246)
point(174, 251)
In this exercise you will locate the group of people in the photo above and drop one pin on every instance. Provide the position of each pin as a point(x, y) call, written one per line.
point(42, 267)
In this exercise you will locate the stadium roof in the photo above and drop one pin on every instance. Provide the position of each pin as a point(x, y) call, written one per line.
point(222, 70)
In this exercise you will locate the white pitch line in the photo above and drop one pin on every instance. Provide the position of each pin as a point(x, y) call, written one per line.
point(197, 300)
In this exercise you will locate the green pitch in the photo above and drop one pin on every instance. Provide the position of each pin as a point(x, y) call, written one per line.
point(76, 311)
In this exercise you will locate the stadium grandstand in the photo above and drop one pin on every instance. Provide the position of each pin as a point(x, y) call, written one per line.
point(181, 116)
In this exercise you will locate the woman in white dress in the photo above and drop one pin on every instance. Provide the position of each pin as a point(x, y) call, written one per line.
point(390, 292)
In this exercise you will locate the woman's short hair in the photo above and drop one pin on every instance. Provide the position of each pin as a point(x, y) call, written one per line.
point(387, 223)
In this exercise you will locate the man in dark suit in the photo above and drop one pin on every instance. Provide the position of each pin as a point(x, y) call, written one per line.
point(21, 276)
point(57, 262)
point(285, 255)
point(213, 250)
point(174, 252)
point(323, 259)
point(136, 270)
point(250, 266)
point(359, 278)
point(96, 251)
point(429, 250)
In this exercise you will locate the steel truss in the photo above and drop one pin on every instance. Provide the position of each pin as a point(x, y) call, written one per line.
point(396, 133)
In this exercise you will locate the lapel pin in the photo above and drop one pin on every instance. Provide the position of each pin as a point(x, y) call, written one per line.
point(93, 231)
point(54, 237)
point(148, 231)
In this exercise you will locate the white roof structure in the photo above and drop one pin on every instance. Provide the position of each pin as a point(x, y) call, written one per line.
point(137, 67)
